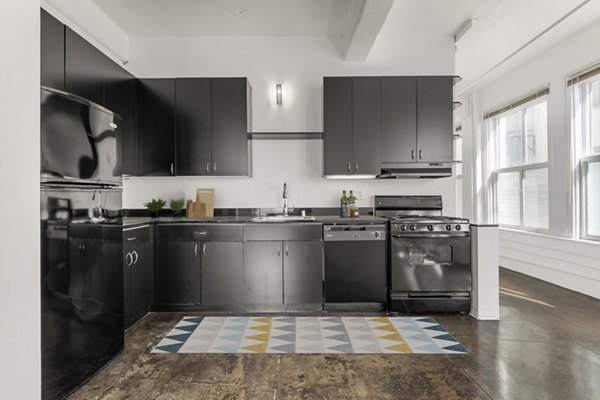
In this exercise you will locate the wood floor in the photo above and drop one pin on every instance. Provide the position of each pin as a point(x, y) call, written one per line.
point(547, 346)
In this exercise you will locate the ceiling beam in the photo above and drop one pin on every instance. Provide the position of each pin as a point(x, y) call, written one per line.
point(368, 26)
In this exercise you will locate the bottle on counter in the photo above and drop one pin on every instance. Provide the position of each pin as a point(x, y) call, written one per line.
point(352, 207)
point(344, 205)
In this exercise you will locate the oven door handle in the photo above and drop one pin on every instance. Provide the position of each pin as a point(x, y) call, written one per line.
point(431, 235)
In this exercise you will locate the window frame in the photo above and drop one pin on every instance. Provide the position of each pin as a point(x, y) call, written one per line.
point(583, 222)
point(494, 146)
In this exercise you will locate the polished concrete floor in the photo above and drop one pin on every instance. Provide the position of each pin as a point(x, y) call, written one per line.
point(547, 346)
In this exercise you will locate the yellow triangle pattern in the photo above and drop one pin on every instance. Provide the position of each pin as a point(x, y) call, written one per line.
point(263, 337)
point(383, 320)
point(395, 336)
point(263, 328)
point(389, 328)
point(401, 348)
point(257, 348)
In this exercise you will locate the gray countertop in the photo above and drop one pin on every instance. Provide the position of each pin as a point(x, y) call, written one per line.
point(323, 219)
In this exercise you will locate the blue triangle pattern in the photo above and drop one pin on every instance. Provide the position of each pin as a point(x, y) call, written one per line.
point(456, 347)
point(181, 338)
point(426, 319)
point(170, 348)
point(239, 328)
point(236, 337)
point(188, 328)
point(430, 347)
point(195, 320)
point(435, 328)
point(447, 336)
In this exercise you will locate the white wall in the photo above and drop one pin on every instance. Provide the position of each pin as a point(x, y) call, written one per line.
point(20, 368)
point(299, 63)
point(297, 162)
point(569, 263)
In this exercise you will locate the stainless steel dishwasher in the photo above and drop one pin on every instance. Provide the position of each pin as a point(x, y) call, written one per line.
point(355, 267)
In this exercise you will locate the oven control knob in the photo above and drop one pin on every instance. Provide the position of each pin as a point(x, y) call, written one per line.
point(402, 227)
point(412, 227)
point(458, 227)
point(429, 227)
point(448, 227)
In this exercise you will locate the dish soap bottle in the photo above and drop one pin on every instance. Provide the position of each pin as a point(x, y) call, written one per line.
point(344, 205)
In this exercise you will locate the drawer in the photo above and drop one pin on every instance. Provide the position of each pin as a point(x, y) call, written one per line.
point(282, 231)
point(137, 234)
point(200, 232)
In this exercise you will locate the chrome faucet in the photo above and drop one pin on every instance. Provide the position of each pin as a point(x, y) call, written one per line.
point(285, 202)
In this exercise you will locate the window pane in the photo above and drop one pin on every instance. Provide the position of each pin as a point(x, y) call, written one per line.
point(593, 199)
point(508, 199)
point(535, 198)
point(536, 133)
point(510, 140)
point(595, 128)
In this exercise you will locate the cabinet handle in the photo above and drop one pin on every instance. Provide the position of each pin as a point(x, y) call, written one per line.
point(131, 238)
point(128, 259)
point(204, 249)
point(82, 248)
point(196, 249)
point(278, 250)
point(208, 167)
point(135, 257)
point(355, 166)
point(214, 167)
point(172, 168)
point(286, 250)
point(420, 151)
point(412, 154)
point(349, 168)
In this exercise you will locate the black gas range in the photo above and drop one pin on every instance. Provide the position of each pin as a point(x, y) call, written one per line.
point(429, 255)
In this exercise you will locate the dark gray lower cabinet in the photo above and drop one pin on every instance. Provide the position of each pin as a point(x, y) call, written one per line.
point(303, 272)
point(138, 264)
point(177, 277)
point(222, 273)
point(288, 272)
point(263, 274)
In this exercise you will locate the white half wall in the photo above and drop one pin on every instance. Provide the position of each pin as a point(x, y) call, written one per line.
point(20, 368)
point(554, 257)
point(297, 162)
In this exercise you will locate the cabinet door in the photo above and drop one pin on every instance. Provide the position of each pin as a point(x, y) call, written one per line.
point(119, 97)
point(177, 275)
point(129, 306)
point(398, 119)
point(229, 126)
point(193, 126)
point(366, 129)
point(84, 68)
point(156, 126)
point(52, 52)
point(434, 118)
point(303, 272)
point(337, 126)
point(143, 275)
point(263, 273)
point(222, 273)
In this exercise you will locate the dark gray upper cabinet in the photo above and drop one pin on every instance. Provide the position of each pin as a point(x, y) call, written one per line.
point(230, 125)
point(85, 68)
point(337, 125)
point(156, 127)
point(366, 125)
point(351, 125)
point(193, 104)
point(52, 52)
point(398, 119)
point(434, 118)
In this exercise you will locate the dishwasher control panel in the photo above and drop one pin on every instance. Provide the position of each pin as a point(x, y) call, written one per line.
point(354, 232)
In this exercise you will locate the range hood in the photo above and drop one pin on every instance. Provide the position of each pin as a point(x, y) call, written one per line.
point(415, 170)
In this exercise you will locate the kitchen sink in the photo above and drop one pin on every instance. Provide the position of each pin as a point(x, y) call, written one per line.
point(282, 218)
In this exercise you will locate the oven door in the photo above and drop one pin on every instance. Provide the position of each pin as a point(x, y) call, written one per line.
point(440, 263)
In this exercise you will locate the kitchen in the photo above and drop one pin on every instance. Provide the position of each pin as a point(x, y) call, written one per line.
point(297, 161)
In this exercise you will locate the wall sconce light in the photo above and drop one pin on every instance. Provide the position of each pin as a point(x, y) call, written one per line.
point(279, 94)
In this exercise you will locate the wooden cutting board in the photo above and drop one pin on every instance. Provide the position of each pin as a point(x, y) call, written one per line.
point(207, 196)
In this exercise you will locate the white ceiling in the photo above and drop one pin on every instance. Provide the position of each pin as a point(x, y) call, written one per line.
point(228, 17)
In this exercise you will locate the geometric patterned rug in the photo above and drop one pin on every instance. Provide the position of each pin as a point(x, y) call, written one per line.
point(360, 335)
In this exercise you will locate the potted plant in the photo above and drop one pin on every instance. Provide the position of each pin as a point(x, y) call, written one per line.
point(177, 206)
point(155, 206)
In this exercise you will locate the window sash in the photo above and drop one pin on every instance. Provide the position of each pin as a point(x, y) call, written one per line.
point(521, 170)
point(584, 166)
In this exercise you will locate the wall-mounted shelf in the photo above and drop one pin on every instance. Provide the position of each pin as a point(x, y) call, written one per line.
point(285, 135)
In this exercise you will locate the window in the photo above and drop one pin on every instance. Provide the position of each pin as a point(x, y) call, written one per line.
point(518, 152)
point(586, 129)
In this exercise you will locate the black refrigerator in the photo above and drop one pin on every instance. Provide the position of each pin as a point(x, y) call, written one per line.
point(81, 241)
